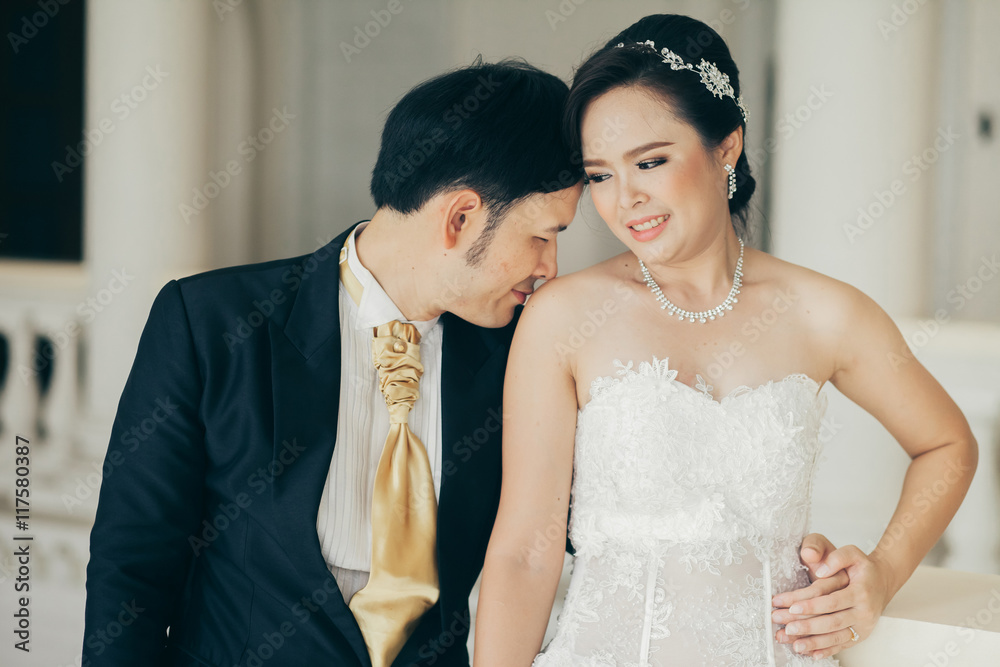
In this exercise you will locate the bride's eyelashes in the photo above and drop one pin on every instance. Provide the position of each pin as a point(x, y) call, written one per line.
point(595, 178)
point(651, 163)
point(645, 165)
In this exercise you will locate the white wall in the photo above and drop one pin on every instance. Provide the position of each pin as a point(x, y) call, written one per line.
point(320, 183)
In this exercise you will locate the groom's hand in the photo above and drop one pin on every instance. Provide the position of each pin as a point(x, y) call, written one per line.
point(814, 552)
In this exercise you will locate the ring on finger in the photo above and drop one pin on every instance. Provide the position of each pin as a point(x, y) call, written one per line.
point(854, 635)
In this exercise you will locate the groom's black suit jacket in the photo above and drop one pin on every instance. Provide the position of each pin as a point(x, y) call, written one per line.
point(220, 449)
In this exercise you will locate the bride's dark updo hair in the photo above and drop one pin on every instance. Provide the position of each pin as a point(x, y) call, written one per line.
point(712, 118)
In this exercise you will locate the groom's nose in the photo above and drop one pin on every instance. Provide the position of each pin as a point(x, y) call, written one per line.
point(548, 266)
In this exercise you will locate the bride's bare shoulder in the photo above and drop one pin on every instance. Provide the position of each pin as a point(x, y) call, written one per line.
point(588, 283)
point(565, 296)
point(826, 301)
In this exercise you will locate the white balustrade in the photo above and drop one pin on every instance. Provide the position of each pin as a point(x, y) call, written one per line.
point(59, 406)
point(19, 398)
point(38, 303)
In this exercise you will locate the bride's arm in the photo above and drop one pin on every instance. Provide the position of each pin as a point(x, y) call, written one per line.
point(875, 369)
point(525, 555)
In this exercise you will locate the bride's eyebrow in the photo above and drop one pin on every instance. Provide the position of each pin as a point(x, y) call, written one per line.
point(639, 150)
point(632, 153)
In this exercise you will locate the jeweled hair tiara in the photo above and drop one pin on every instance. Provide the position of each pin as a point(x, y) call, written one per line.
point(714, 79)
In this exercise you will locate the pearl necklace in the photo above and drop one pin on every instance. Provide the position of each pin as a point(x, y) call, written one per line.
point(703, 315)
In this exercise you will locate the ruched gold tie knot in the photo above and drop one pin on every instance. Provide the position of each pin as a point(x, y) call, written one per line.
point(396, 353)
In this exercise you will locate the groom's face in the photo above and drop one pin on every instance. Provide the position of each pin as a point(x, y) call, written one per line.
point(521, 252)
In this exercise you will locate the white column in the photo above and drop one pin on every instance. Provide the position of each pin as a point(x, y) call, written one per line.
point(235, 56)
point(147, 113)
point(855, 102)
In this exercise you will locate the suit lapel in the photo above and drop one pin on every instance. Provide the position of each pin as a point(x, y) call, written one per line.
point(305, 371)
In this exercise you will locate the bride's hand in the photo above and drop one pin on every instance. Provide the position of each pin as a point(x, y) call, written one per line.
point(852, 591)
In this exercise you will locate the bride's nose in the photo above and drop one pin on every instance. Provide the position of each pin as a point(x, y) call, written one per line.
point(630, 194)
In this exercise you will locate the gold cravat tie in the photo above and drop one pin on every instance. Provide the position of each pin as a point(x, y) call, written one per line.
point(403, 583)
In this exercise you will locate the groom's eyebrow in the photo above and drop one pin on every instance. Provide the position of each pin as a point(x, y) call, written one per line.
point(558, 228)
point(632, 153)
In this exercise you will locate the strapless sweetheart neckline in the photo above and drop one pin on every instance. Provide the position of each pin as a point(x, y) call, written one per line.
point(661, 368)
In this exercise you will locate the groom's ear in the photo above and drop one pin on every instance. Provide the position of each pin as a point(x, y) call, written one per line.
point(464, 217)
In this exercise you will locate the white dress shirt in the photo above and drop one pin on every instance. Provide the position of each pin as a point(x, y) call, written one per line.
point(344, 520)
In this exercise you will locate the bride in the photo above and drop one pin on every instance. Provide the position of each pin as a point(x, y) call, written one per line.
point(675, 390)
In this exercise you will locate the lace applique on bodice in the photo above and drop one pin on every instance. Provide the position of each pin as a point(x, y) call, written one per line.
point(687, 516)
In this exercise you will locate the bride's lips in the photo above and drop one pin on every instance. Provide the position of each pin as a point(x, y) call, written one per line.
point(648, 228)
point(520, 296)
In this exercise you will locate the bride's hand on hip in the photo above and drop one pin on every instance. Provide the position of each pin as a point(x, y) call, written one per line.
point(851, 592)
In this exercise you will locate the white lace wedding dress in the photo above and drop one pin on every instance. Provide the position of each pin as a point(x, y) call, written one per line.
point(687, 516)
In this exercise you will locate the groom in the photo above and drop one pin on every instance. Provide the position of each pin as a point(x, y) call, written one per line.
point(321, 486)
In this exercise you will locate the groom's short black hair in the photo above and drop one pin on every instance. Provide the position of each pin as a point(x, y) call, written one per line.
point(492, 128)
